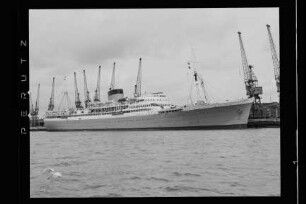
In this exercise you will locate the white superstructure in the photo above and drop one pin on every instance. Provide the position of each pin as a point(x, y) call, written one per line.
point(150, 111)
point(148, 104)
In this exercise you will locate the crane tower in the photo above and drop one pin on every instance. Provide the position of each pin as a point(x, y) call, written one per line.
point(113, 82)
point(114, 94)
point(250, 80)
point(86, 92)
point(97, 91)
point(32, 113)
point(51, 102)
point(137, 92)
point(78, 103)
point(36, 109)
point(274, 59)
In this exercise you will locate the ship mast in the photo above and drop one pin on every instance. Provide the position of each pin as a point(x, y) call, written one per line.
point(197, 81)
point(137, 92)
point(97, 91)
point(65, 103)
point(86, 92)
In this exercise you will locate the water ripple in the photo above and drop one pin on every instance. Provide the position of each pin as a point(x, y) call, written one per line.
point(69, 163)
point(113, 195)
point(93, 186)
point(134, 178)
point(184, 188)
point(158, 179)
point(185, 174)
point(118, 164)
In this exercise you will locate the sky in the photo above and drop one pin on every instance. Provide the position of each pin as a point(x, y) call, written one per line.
point(65, 41)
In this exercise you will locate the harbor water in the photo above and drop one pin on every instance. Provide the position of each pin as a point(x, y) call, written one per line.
point(188, 163)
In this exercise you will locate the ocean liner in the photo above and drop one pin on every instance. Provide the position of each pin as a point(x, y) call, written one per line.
point(145, 111)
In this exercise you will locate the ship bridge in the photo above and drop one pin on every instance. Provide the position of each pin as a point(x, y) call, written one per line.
point(157, 98)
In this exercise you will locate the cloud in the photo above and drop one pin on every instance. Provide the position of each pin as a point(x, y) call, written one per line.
point(64, 41)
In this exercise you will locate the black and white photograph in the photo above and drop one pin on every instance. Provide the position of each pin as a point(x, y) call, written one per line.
point(155, 102)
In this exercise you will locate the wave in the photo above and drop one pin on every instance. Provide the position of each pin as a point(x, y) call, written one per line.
point(94, 186)
point(73, 180)
point(73, 173)
point(66, 157)
point(158, 179)
point(185, 188)
point(134, 178)
point(69, 163)
point(199, 190)
point(185, 174)
point(112, 195)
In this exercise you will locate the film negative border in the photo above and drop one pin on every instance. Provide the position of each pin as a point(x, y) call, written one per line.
point(288, 163)
point(23, 103)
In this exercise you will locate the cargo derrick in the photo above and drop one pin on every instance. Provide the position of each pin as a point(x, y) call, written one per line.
point(202, 95)
point(137, 92)
point(250, 81)
point(65, 101)
point(86, 92)
point(274, 59)
point(196, 81)
point(51, 102)
point(78, 103)
point(97, 91)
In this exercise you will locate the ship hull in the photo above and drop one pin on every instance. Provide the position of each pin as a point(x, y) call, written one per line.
point(229, 115)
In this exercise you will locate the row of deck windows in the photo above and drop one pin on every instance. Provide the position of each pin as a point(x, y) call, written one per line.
point(110, 113)
point(169, 111)
point(109, 109)
point(155, 99)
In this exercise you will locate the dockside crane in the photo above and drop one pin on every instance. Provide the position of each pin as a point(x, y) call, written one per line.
point(274, 59)
point(137, 92)
point(36, 109)
point(114, 94)
point(112, 85)
point(78, 103)
point(51, 102)
point(97, 91)
point(86, 92)
point(32, 113)
point(250, 80)
point(33, 117)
